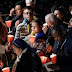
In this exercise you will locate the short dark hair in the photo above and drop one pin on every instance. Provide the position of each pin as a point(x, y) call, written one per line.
point(21, 3)
point(38, 21)
point(28, 7)
point(59, 28)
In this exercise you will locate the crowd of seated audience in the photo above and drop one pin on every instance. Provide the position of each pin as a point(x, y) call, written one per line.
point(52, 31)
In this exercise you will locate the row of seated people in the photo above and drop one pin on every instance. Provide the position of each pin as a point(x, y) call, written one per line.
point(54, 36)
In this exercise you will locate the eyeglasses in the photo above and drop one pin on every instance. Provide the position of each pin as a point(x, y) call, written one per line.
point(28, 13)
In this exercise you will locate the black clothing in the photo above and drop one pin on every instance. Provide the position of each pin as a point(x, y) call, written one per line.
point(64, 53)
point(29, 62)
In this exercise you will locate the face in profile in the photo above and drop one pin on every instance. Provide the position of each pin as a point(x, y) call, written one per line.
point(18, 10)
point(28, 14)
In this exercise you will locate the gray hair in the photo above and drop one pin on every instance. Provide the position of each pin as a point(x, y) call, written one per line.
point(51, 17)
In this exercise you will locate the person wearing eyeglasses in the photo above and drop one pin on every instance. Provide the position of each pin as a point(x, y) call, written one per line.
point(38, 12)
point(24, 28)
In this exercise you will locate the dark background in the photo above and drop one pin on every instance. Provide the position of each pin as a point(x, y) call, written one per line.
point(6, 5)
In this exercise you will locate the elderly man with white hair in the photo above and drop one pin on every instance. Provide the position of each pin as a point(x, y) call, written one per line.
point(51, 19)
point(30, 3)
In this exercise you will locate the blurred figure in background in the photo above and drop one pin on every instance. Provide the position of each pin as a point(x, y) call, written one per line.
point(3, 32)
point(19, 14)
point(62, 14)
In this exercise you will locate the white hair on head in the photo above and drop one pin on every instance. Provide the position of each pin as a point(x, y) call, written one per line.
point(51, 17)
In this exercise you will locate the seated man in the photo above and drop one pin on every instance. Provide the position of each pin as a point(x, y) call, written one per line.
point(63, 47)
point(24, 28)
point(19, 15)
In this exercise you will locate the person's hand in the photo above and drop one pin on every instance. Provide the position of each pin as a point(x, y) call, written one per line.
point(44, 29)
point(8, 48)
point(17, 23)
point(1, 64)
point(12, 11)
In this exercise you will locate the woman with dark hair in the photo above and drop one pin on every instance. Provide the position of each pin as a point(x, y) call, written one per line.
point(27, 60)
point(60, 13)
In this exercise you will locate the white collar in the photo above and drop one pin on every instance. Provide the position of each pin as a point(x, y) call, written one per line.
point(18, 57)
